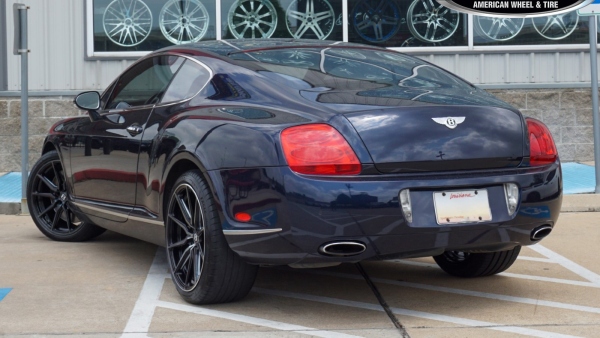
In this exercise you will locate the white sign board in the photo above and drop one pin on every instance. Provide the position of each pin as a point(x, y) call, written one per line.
point(591, 9)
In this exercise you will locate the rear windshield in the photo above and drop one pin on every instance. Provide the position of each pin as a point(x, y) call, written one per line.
point(314, 67)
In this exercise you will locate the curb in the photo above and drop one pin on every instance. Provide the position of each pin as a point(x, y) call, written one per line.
point(570, 203)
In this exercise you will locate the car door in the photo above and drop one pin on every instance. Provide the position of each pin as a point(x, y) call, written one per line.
point(189, 80)
point(104, 160)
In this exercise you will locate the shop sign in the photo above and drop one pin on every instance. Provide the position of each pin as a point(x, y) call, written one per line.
point(515, 8)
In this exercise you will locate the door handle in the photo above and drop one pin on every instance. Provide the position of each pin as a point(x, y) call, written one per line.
point(134, 130)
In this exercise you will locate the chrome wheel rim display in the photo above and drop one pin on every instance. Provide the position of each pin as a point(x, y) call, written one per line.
point(185, 237)
point(376, 20)
point(183, 21)
point(127, 23)
point(319, 21)
point(252, 19)
point(51, 205)
point(556, 27)
point(430, 23)
point(499, 29)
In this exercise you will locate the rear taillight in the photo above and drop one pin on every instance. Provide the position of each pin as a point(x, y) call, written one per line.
point(541, 145)
point(318, 149)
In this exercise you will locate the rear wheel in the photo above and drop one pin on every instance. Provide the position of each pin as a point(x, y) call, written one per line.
point(49, 204)
point(203, 267)
point(466, 264)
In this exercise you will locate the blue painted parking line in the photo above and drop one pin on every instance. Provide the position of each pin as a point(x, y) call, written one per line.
point(4, 292)
point(578, 178)
point(10, 188)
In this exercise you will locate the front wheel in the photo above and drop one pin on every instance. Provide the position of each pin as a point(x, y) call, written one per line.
point(50, 206)
point(466, 264)
point(203, 267)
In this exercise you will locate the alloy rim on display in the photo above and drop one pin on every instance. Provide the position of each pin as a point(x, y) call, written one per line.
point(376, 20)
point(499, 29)
point(50, 200)
point(185, 237)
point(556, 27)
point(252, 19)
point(303, 18)
point(183, 21)
point(127, 23)
point(429, 21)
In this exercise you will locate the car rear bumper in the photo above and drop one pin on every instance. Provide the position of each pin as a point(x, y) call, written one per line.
point(313, 211)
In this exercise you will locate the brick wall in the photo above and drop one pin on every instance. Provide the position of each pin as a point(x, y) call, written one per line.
point(567, 112)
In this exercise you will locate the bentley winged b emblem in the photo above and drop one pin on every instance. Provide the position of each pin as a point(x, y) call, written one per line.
point(450, 122)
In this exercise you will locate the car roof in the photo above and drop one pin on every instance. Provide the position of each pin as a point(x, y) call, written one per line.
point(224, 48)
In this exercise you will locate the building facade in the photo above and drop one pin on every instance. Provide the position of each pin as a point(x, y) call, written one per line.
point(539, 65)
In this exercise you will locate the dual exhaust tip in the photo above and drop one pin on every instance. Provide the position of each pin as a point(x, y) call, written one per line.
point(343, 248)
point(353, 248)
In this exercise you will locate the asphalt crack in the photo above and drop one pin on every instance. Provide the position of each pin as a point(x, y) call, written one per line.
point(382, 302)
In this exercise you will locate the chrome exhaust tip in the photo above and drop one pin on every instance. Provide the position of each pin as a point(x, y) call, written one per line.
point(342, 249)
point(540, 232)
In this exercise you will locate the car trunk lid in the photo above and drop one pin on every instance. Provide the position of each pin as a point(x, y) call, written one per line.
point(441, 138)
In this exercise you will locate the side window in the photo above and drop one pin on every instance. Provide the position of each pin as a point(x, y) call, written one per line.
point(188, 81)
point(145, 83)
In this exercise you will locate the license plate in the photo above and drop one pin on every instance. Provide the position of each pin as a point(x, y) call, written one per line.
point(462, 206)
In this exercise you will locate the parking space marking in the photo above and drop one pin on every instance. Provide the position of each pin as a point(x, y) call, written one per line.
point(4, 292)
point(495, 296)
point(509, 274)
point(254, 321)
point(567, 263)
point(140, 319)
point(535, 259)
point(418, 314)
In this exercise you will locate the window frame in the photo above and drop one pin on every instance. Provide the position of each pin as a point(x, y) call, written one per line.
point(91, 54)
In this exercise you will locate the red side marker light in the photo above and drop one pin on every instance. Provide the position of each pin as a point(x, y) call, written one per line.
point(242, 217)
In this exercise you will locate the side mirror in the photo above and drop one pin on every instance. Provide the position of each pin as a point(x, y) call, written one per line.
point(89, 101)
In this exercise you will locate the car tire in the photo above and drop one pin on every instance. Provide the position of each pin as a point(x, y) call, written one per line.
point(465, 264)
point(203, 267)
point(50, 206)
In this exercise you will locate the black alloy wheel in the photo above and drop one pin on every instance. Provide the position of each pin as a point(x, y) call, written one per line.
point(470, 264)
point(185, 240)
point(203, 267)
point(50, 206)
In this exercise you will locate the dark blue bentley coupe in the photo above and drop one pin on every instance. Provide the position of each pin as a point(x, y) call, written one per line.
point(235, 154)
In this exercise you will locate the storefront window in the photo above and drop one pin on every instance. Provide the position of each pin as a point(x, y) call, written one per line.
point(566, 28)
point(300, 19)
point(132, 28)
point(136, 25)
point(397, 23)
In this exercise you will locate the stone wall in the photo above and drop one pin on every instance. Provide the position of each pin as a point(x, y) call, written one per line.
point(567, 112)
point(43, 113)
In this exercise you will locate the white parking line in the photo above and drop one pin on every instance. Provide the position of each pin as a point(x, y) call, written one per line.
point(254, 321)
point(496, 296)
point(141, 316)
point(513, 275)
point(140, 319)
point(567, 264)
point(418, 314)
point(535, 259)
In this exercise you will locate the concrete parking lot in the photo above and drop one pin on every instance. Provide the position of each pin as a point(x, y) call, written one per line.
point(116, 286)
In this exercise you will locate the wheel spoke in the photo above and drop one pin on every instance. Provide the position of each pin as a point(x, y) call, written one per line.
point(43, 194)
point(68, 216)
point(180, 243)
point(185, 256)
point(48, 183)
point(184, 210)
point(56, 218)
point(52, 205)
point(180, 224)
